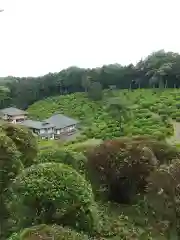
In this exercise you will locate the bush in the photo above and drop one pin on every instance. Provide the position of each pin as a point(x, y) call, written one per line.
point(71, 158)
point(10, 163)
point(174, 115)
point(162, 111)
point(120, 168)
point(178, 119)
point(24, 140)
point(164, 192)
point(163, 151)
point(10, 166)
point(164, 117)
point(48, 232)
point(53, 192)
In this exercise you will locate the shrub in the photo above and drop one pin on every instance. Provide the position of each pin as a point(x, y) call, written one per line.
point(120, 168)
point(164, 192)
point(24, 140)
point(53, 192)
point(174, 115)
point(48, 232)
point(9, 161)
point(163, 151)
point(164, 117)
point(146, 104)
point(10, 166)
point(162, 111)
point(178, 119)
point(66, 156)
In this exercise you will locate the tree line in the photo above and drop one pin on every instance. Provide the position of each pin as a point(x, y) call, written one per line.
point(159, 69)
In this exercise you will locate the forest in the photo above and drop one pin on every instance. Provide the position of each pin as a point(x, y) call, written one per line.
point(119, 179)
point(158, 69)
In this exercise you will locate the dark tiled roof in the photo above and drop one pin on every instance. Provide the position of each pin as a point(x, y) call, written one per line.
point(12, 111)
point(61, 121)
point(36, 124)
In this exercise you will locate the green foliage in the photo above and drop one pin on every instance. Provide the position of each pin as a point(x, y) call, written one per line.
point(163, 151)
point(119, 110)
point(159, 69)
point(10, 166)
point(164, 195)
point(96, 120)
point(9, 161)
point(95, 91)
point(24, 141)
point(53, 192)
point(74, 159)
point(86, 82)
point(48, 232)
point(121, 168)
point(4, 96)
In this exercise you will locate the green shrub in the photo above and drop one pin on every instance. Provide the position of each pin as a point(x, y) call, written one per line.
point(164, 117)
point(14, 236)
point(24, 140)
point(10, 163)
point(146, 104)
point(43, 232)
point(162, 111)
point(74, 159)
point(10, 166)
point(173, 115)
point(53, 192)
point(120, 168)
point(163, 195)
point(163, 151)
point(178, 119)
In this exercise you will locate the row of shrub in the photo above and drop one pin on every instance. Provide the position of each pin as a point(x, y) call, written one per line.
point(96, 120)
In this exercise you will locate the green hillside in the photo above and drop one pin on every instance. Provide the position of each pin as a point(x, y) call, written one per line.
point(118, 180)
point(97, 122)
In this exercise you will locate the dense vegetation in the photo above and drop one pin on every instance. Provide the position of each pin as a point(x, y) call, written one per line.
point(119, 179)
point(101, 121)
point(84, 200)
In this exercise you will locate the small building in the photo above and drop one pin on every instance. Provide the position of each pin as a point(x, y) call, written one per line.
point(63, 125)
point(42, 129)
point(13, 115)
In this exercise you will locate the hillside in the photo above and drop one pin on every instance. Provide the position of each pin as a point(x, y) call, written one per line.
point(106, 183)
point(150, 112)
point(97, 122)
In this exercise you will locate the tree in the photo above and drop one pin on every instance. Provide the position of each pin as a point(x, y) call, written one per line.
point(157, 76)
point(4, 95)
point(10, 166)
point(24, 140)
point(156, 69)
point(86, 82)
point(95, 91)
point(118, 169)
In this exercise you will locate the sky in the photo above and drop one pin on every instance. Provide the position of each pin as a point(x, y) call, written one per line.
point(42, 36)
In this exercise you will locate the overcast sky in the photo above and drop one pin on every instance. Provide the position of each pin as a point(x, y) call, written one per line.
point(41, 36)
